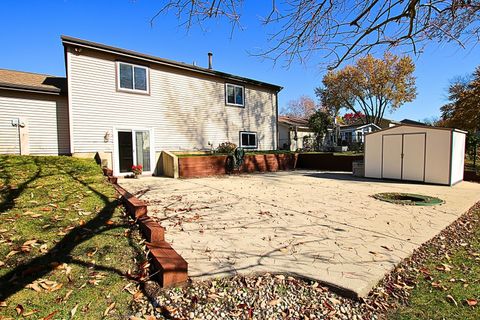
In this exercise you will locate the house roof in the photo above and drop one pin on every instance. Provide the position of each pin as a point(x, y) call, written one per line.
point(32, 82)
point(384, 123)
point(293, 121)
point(358, 126)
point(408, 121)
point(67, 40)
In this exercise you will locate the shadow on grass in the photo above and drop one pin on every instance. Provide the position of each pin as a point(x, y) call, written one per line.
point(9, 194)
point(25, 273)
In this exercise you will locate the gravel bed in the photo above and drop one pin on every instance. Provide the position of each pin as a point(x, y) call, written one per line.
point(270, 296)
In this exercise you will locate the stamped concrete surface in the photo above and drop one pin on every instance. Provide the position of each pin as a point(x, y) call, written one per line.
point(318, 225)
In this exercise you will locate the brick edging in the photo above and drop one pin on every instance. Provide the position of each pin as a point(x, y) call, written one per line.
point(172, 268)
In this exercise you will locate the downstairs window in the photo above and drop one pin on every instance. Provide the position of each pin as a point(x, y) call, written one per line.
point(248, 140)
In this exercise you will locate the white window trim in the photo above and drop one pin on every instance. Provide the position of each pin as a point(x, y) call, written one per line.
point(226, 94)
point(248, 147)
point(147, 75)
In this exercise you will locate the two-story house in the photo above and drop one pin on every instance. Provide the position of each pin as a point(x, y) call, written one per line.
point(126, 108)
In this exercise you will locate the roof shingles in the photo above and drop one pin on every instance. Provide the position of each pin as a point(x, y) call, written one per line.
point(26, 81)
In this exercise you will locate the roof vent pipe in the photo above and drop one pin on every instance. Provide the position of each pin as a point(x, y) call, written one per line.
point(210, 55)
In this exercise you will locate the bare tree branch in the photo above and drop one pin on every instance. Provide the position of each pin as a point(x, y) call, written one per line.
point(339, 30)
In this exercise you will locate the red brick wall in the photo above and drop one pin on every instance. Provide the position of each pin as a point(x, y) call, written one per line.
point(204, 166)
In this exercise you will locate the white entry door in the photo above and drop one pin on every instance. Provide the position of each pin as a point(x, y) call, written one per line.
point(414, 157)
point(392, 156)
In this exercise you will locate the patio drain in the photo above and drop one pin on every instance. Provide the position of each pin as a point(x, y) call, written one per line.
point(411, 199)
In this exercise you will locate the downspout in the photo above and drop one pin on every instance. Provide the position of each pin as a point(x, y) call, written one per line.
point(276, 122)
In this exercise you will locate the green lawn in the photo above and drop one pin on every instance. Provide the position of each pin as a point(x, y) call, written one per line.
point(448, 282)
point(65, 245)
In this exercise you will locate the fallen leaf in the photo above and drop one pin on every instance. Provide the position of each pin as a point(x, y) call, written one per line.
point(67, 295)
point(471, 302)
point(30, 242)
point(3, 304)
point(451, 299)
point(2, 263)
point(29, 313)
point(137, 295)
point(34, 287)
point(50, 316)
point(109, 308)
point(73, 311)
point(273, 302)
point(109, 222)
point(19, 308)
point(11, 253)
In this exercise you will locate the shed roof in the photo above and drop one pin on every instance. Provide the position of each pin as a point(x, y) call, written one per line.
point(417, 126)
point(67, 40)
point(32, 82)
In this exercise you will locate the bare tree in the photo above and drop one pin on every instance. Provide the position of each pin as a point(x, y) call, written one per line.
point(343, 29)
point(302, 107)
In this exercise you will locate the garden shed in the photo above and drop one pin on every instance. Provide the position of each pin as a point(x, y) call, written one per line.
point(416, 153)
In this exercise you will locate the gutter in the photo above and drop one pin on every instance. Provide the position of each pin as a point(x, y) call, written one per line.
point(32, 89)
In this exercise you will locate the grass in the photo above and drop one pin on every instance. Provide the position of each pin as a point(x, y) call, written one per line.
point(65, 244)
point(446, 282)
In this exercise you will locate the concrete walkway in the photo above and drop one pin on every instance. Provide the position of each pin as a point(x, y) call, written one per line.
point(323, 226)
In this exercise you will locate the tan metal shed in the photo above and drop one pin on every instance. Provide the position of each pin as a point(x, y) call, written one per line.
point(416, 153)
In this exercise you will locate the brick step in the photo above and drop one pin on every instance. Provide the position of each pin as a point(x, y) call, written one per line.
point(151, 230)
point(173, 268)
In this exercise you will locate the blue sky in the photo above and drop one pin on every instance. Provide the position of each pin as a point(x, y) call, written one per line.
point(30, 36)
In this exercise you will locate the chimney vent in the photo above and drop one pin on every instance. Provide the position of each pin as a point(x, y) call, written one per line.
point(210, 55)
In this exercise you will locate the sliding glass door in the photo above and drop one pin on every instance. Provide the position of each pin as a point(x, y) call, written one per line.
point(142, 150)
point(133, 148)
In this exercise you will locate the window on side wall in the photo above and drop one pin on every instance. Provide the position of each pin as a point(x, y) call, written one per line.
point(234, 95)
point(131, 77)
point(248, 140)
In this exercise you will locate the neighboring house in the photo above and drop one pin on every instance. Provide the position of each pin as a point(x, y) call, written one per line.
point(293, 133)
point(33, 114)
point(356, 133)
point(126, 108)
point(406, 121)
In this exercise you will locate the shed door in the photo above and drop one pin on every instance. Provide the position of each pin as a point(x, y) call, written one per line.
point(414, 157)
point(392, 156)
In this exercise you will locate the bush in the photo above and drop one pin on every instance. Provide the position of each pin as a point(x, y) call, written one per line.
point(226, 147)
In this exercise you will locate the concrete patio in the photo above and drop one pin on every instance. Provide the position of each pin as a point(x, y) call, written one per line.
point(318, 225)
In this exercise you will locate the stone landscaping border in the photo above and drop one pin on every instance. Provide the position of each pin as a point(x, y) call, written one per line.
point(170, 268)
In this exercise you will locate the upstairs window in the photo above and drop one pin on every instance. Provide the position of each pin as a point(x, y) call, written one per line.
point(132, 77)
point(234, 95)
point(248, 140)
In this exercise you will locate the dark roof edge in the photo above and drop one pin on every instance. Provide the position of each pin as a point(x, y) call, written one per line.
point(98, 46)
point(17, 87)
point(418, 126)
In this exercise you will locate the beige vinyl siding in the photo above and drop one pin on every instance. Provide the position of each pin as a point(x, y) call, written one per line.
point(186, 110)
point(47, 117)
